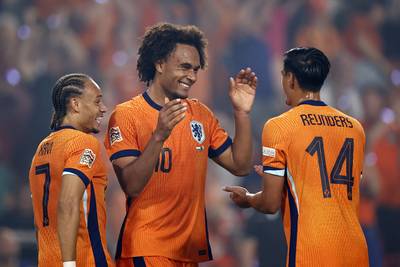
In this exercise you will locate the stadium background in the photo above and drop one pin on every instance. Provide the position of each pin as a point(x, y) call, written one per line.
point(43, 39)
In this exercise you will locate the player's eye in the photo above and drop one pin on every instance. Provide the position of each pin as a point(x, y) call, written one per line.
point(186, 66)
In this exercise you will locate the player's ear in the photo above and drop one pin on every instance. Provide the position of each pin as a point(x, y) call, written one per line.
point(74, 104)
point(159, 65)
point(292, 80)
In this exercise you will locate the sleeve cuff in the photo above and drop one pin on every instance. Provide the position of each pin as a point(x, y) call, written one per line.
point(212, 153)
point(69, 264)
point(125, 153)
point(274, 171)
point(78, 173)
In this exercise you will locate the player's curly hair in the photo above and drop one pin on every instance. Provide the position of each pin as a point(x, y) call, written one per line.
point(66, 87)
point(160, 40)
point(309, 65)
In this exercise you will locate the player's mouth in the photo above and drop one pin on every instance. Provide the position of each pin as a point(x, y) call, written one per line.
point(186, 85)
point(99, 119)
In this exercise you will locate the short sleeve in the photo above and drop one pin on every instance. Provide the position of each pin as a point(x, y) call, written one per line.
point(121, 137)
point(274, 148)
point(219, 140)
point(82, 153)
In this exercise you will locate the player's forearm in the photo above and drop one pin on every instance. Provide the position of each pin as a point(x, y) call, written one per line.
point(137, 174)
point(242, 147)
point(67, 227)
point(259, 202)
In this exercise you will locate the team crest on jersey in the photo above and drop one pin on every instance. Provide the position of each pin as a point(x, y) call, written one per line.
point(87, 158)
point(197, 131)
point(115, 135)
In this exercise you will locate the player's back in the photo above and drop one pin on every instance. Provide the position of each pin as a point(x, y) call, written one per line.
point(67, 150)
point(324, 152)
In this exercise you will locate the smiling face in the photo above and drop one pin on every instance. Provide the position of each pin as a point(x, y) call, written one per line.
point(92, 108)
point(178, 72)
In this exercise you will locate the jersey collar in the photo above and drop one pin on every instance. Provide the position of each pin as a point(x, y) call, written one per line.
point(151, 102)
point(313, 103)
point(63, 127)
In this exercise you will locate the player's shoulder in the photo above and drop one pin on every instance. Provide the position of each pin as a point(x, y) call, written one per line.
point(283, 125)
point(86, 136)
point(47, 140)
point(341, 113)
point(200, 110)
point(75, 139)
point(354, 122)
point(85, 144)
point(131, 104)
point(197, 106)
point(281, 120)
point(127, 110)
point(195, 102)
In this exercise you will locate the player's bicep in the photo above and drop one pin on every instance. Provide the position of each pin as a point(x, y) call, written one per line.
point(273, 186)
point(72, 188)
point(121, 164)
point(220, 149)
point(225, 159)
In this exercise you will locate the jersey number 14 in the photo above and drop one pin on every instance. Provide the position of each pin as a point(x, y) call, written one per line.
point(345, 154)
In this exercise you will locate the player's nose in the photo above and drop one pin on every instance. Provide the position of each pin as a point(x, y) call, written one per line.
point(192, 76)
point(103, 108)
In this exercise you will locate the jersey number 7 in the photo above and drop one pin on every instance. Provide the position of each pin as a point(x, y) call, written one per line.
point(346, 154)
point(45, 169)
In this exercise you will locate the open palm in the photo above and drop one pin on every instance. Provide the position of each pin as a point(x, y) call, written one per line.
point(243, 90)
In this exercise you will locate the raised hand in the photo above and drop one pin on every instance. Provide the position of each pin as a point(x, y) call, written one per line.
point(243, 90)
point(238, 195)
point(170, 115)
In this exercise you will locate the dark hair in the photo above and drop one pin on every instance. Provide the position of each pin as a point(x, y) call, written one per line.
point(160, 40)
point(309, 65)
point(67, 86)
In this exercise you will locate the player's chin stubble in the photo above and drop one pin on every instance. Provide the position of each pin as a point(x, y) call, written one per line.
point(173, 96)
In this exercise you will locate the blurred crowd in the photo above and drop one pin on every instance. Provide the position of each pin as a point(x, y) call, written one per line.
point(41, 40)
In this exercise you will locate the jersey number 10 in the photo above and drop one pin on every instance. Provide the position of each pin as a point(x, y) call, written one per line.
point(346, 154)
point(166, 160)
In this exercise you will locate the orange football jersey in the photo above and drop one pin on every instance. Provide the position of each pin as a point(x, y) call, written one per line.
point(69, 151)
point(168, 218)
point(320, 151)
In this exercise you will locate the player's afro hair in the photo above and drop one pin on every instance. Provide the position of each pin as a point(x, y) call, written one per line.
point(160, 40)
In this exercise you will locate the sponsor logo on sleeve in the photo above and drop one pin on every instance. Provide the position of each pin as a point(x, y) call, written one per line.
point(87, 158)
point(115, 135)
point(269, 152)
